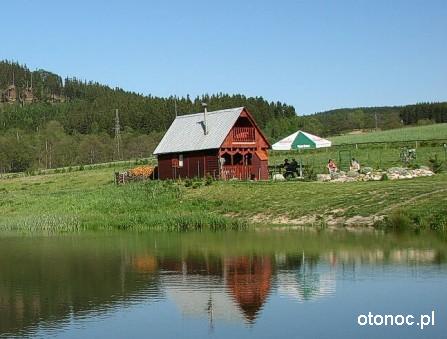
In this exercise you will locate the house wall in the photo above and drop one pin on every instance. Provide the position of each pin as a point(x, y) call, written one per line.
point(202, 163)
point(195, 164)
point(260, 168)
point(245, 120)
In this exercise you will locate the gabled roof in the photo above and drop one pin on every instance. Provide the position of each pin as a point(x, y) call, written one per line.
point(186, 132)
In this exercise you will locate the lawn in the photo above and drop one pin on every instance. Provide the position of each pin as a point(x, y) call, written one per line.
point(427, 132)
point(380, 156)
point(86, 200)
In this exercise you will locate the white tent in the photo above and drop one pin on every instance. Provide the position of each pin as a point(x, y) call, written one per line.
point(301, 140)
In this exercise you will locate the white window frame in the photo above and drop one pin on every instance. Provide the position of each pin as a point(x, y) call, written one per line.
point(180, 160)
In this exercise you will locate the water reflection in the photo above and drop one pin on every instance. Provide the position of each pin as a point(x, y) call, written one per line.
point(305, 279)
point(54, 282)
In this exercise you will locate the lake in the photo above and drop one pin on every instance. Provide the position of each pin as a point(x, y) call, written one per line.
point(222, 285)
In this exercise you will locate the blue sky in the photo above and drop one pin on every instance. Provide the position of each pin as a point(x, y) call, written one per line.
point(315, 55)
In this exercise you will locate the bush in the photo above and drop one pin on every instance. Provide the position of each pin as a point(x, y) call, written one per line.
point(435, 164)
point(188, 182)
point(366, 170)
point(397, 221)
point(197, 184)
point(208, 180)
point(438, 223)
point(309, 173)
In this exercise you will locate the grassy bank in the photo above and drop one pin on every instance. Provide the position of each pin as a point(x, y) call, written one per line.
point(88, 200)
point(371, 155)
point(428, 132)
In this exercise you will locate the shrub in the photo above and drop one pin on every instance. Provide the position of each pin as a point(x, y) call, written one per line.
point(366, 170)
point(438, 223)
point(309, 173)
point(435, 164)
point(188, 182)
point(208, 180)
point(398, 221)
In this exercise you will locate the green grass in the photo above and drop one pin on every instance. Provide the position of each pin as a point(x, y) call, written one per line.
point(379, 156)
point(114, 164)
point(89, 200)
point(427, 132)
point(297, 199)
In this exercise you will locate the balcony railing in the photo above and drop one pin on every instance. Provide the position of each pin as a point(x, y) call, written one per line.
point(241, 172)
point(243, 134)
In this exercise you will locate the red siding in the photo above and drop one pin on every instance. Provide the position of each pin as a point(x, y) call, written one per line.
point(245, 121)
point(244, 138)
point(260, 168)
point(195, 164)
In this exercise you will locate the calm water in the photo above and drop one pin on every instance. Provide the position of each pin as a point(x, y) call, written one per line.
point(230, 285)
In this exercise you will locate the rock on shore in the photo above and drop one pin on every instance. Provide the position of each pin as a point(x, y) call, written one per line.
point(368, 174)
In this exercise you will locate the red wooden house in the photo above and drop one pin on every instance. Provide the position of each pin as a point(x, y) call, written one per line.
point(224, 144)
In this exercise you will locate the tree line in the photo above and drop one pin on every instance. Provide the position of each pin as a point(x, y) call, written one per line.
point(339, 121)
point(71, 121)
point(51, 147)
point(78, 128)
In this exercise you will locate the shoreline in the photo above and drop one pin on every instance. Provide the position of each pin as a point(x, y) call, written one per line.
point(89, 200)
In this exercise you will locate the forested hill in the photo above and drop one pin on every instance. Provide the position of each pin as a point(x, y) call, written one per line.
point(338, 121)
point(89, 107)
point(47, 121)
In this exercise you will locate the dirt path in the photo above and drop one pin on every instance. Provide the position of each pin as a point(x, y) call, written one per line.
point(409, 201)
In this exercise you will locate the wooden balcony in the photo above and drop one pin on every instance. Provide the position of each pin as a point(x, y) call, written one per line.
point(243, 134)
point(241, 172)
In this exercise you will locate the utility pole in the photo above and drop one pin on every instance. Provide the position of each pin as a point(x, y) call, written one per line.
point(117, 134)
point(375, 118)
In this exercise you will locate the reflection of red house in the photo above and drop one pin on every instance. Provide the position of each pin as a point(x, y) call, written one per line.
point(199, 265)
point(249, 280)
point(224, 144)
point(144, 263)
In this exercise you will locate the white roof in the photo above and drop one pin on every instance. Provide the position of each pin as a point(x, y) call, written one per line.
point(286, 143)
point(186, 132)
point(194, 295)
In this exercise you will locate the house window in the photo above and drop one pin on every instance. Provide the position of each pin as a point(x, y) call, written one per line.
point(180, 160)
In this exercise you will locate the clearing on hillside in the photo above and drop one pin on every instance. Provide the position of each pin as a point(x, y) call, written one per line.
point(427, 132)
